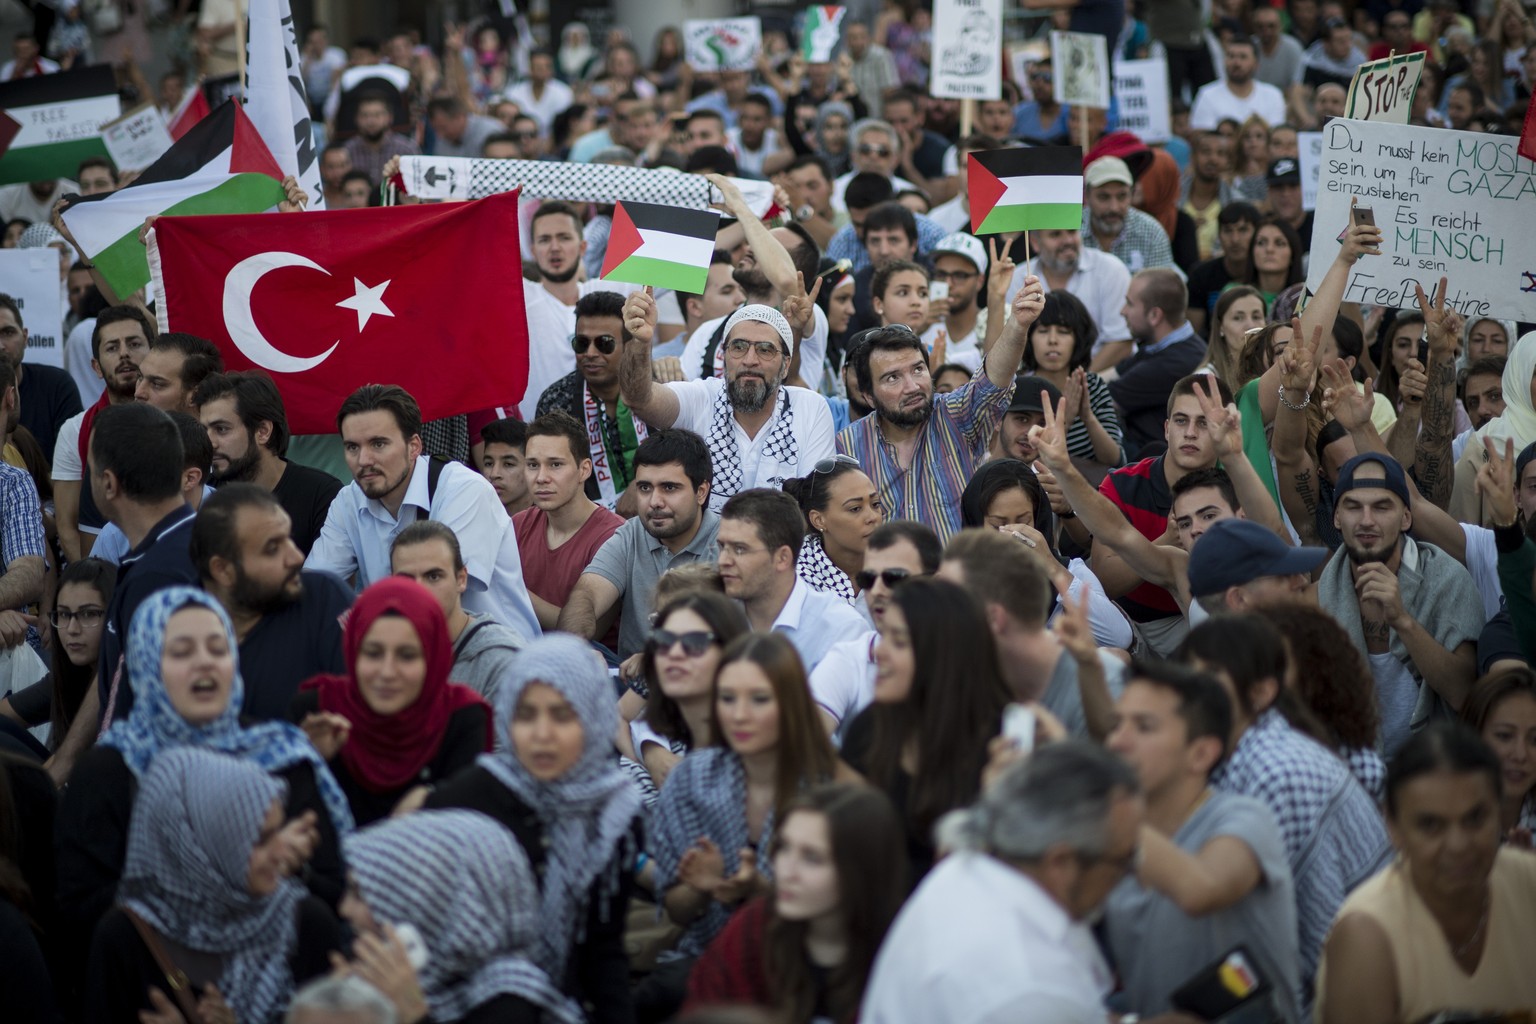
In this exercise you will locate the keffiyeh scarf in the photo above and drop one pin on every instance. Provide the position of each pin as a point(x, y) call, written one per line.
point(723, 448)
point(817, 569)
point(197, 817)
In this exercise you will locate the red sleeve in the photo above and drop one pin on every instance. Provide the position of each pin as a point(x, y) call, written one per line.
point(731, 971)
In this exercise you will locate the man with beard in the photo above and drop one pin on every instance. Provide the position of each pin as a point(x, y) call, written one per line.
point(1169, 348)
point(335, 165)
point(119, 341)
point(1099, 281)
point(375, 144)
point(1409, 607)
point(919, 448)
point(1112, 224)
point(558, 246)
point(394, 484)
point(287, 619)
point(675, 527)
point(171, 370)
point(1204, 192)
point(1024, 412)
point(248, 427)
point(760, 430)
point(1240, 94)
point(33, 201)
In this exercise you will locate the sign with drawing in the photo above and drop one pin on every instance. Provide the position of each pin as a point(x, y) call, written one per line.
point(1080, 64)
point(729, 44)
point(967, 49)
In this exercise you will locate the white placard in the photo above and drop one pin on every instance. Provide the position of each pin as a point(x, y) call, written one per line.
point(1382, 90)
point(1142, 88)
point(137, 139)
point(967, 49)
point(1457, 204)
point(822, 32)
point(728, 44)
point(1080, 67)
point(1309, 152)
point(31, 277)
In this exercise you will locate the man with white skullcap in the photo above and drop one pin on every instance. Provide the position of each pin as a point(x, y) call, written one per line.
point(760, 431)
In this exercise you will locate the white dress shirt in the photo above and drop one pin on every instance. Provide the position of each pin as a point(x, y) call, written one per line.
point(358, 531)
point(813, 620)
point(814, 436)
point(981, 942)
point(1100, 284)
point(843, 683)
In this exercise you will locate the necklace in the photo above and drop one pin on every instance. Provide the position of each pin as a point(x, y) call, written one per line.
point(1477, 933)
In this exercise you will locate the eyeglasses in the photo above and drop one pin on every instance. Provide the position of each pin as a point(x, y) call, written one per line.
point(1121, 865)
point(867, 150)
point(765, 349)
point(828, 465)
point(695, 642)
point(605, 343)
point(87, 617)
point(957, 276)
point(523, 136)
point(1039, 76)
point(866, 578)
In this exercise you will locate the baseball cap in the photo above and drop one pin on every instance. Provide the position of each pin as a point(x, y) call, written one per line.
point(962, 244)
point(1026, 394)
point(1232, 552)
point(1283, 172)
point(1107, 169)
point(1390, 475)
point(1526, 456)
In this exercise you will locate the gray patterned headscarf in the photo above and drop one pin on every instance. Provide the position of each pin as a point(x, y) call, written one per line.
point(589, 812)
point(461, 879)
point(196, 819)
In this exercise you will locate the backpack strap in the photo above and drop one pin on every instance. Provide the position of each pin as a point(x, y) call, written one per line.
point(176, 978)
point(435, 467)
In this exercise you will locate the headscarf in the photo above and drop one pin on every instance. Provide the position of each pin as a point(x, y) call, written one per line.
point(589, 811)
point(385, 752)
point(1160, 190)
point(1510, 334)
point(461, 880)
point(154, 725)
point(574, 57)
point(1518, 420)
point(196, 820)
point(839, 162)
point(40, 236)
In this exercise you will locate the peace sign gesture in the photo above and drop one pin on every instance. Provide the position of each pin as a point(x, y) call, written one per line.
point(1050, 440)
point(800, 308)
point(1298, 363)
point(1000, 274)
point(1442, 324)
point(1496, 482)
point(1224, 423)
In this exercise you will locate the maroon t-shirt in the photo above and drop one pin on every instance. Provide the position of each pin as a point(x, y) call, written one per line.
point(552, 575)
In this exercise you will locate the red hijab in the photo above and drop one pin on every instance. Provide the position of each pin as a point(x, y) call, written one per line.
point(385, 752)
point(1160, 190)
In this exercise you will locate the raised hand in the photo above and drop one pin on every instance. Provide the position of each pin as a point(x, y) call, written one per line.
point(744, 883)
point(940, 350)
point(799, 308)
point(1224, 423)
point(731, 200)
point(1298, 363)
point(1050, 439)
point(999, 274)
point(1496, 482)
point(1075, 396)
point(327, 732)
point(1072, 627)
point(1359, 239)
point(640, 317)
point(1028, 303)
point(1414, 382)
point(1442, 324)
point(295, 197)
point(1350, 406)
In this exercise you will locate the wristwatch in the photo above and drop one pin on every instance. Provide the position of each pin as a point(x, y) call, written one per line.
point(805, 212)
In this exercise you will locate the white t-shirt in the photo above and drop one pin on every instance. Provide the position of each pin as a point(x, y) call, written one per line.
point(843, 684)
point(77, 360)
point(66, 450)
point(550, 326)
point(1483, 563)
point(1214, 103)
point(1100, 284)
point(965, 351)
point(814, 437)
point(951, 216)
point(1397, 694)
point(557, 96)
point(813, 350)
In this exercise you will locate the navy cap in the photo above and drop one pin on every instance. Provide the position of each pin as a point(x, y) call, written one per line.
point(1391, 478)
point(1026, 394)
point(1235, 551)
point(1522, 460)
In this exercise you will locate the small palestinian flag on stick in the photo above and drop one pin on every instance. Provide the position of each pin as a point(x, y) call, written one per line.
point(663, 246)
point(1039, 189)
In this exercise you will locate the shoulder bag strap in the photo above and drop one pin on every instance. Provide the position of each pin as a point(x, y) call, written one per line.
point(176, 978)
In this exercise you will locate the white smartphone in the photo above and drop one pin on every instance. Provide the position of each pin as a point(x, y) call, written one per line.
point(1019, 727)
point(938, 291)
point(415, 945)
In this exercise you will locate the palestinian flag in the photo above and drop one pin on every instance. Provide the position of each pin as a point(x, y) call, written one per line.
point(1038, 189)
point(664, 246)
point(220, 166)
point(192, 109)
point(56, 120)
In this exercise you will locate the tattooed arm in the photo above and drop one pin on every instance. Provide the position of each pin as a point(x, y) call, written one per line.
point(1433, 465)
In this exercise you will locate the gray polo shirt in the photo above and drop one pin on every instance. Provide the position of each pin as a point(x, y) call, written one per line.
point(633, 561)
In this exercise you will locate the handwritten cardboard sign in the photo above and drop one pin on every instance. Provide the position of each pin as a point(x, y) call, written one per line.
point(137, 139)
point(1382, 90)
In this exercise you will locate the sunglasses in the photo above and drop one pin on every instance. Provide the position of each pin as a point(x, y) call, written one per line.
point(875, 151)
point(828, 465)
point(866, 578)
point(605, 343)
point(524, 136)
point(695, 643)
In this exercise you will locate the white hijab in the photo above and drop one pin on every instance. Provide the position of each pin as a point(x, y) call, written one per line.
point(1518, 421)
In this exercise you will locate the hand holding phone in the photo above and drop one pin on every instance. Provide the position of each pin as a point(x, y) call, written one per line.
point(1019, 727)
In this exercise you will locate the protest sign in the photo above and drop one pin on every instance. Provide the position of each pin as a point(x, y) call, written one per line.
point(1448, 203)
point(1309, 149)
point(137, 139)
point(1382, 90)
point(31, 277)
point(968, 49)
point(823, 31)
point(1080, 63)
point(728, 44)
point(1142, 88)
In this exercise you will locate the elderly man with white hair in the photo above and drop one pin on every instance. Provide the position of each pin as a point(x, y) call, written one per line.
point(760, 431)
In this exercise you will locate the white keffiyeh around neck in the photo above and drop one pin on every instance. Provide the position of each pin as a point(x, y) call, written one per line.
point(723, 448)
point(817, 569)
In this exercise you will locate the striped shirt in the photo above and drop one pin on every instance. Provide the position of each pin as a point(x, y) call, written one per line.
point(1142, 244)
point(949, 448)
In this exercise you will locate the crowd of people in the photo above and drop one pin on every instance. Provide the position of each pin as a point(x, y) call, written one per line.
point(909, 626)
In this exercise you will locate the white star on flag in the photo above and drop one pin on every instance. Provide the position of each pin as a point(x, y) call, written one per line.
point(366, 302)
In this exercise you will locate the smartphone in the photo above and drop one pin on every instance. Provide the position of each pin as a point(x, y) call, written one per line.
point(938, 291)
point(1019, 727)
point(415, 945)
point(1365, 215)
point(1424, 353)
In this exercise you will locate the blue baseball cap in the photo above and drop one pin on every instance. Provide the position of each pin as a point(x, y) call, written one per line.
point(1392, 476)
point(1237, 551)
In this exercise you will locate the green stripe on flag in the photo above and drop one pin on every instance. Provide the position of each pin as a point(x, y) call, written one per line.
point(56, 160)
point(1031, 217)
point(125, 263)
point(661, 274)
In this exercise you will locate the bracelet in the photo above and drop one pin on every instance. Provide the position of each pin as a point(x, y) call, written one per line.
point(1069, 514)
point(1294, 408)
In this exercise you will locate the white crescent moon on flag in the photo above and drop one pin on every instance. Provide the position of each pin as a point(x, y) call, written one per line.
point(238, 285)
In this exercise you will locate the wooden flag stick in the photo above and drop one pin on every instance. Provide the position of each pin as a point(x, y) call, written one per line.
point(967, 114)
point(240, 49)
point(1082, 127)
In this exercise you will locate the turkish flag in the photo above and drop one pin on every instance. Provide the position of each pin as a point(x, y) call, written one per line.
point(428, 297)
